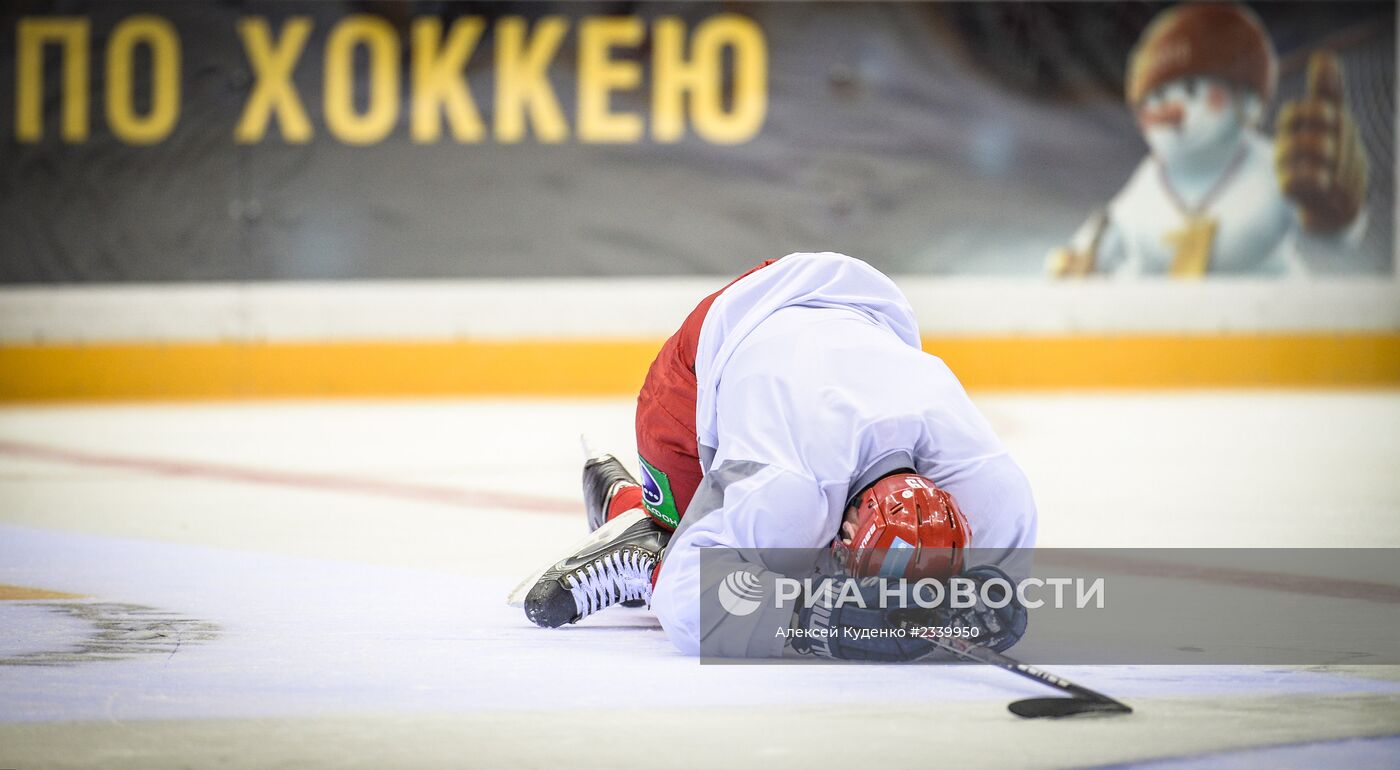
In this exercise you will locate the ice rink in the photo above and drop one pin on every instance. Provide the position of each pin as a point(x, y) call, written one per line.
point(322, 584)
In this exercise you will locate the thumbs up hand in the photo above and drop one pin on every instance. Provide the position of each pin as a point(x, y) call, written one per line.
point(1318, 156)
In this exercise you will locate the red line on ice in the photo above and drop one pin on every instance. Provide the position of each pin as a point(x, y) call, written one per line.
point(1271, 581)
point(294, 479)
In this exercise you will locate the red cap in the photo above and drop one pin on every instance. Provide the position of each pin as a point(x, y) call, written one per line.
point(1225, 40)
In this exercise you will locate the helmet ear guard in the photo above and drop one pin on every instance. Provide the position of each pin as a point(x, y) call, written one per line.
point(904, 527)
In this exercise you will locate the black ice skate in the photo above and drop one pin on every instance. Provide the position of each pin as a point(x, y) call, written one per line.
point(612, 566)
point(602, 475)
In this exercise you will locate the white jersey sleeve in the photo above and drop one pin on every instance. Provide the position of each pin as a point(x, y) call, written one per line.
point(741, 505)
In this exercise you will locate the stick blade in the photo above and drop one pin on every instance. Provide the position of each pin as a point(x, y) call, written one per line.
point(1056, 708)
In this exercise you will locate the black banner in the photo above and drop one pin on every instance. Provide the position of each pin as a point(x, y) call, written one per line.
point(150, 141)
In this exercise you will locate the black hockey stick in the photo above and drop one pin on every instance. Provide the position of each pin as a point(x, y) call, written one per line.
point(1084, 700)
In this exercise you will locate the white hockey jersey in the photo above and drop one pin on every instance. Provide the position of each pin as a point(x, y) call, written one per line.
point(811, 384)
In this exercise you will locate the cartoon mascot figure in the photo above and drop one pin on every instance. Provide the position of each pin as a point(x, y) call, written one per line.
point(1215, 195)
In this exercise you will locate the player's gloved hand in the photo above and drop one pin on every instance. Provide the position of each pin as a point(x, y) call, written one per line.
point(847, 631)
point(1318, 156)
point(996, 628)
point(844, 630)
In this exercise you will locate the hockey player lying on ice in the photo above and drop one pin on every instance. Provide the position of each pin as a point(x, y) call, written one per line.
point(793, 409)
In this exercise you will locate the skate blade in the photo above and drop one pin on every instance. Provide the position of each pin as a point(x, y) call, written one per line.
point(599, 535)
point(589, 453)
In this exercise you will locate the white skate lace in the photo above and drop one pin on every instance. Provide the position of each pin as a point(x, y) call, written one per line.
point(617, 577)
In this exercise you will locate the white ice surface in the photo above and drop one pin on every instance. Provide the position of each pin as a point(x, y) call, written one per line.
point(357, 613)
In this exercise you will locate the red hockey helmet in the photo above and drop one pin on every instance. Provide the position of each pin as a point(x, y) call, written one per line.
point(903, 526)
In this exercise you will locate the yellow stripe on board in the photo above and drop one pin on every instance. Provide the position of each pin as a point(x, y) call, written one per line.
point(10, 593)
point(1302, 360)
point(616, 367)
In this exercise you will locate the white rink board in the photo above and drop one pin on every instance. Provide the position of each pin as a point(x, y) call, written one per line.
point(654, 308)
